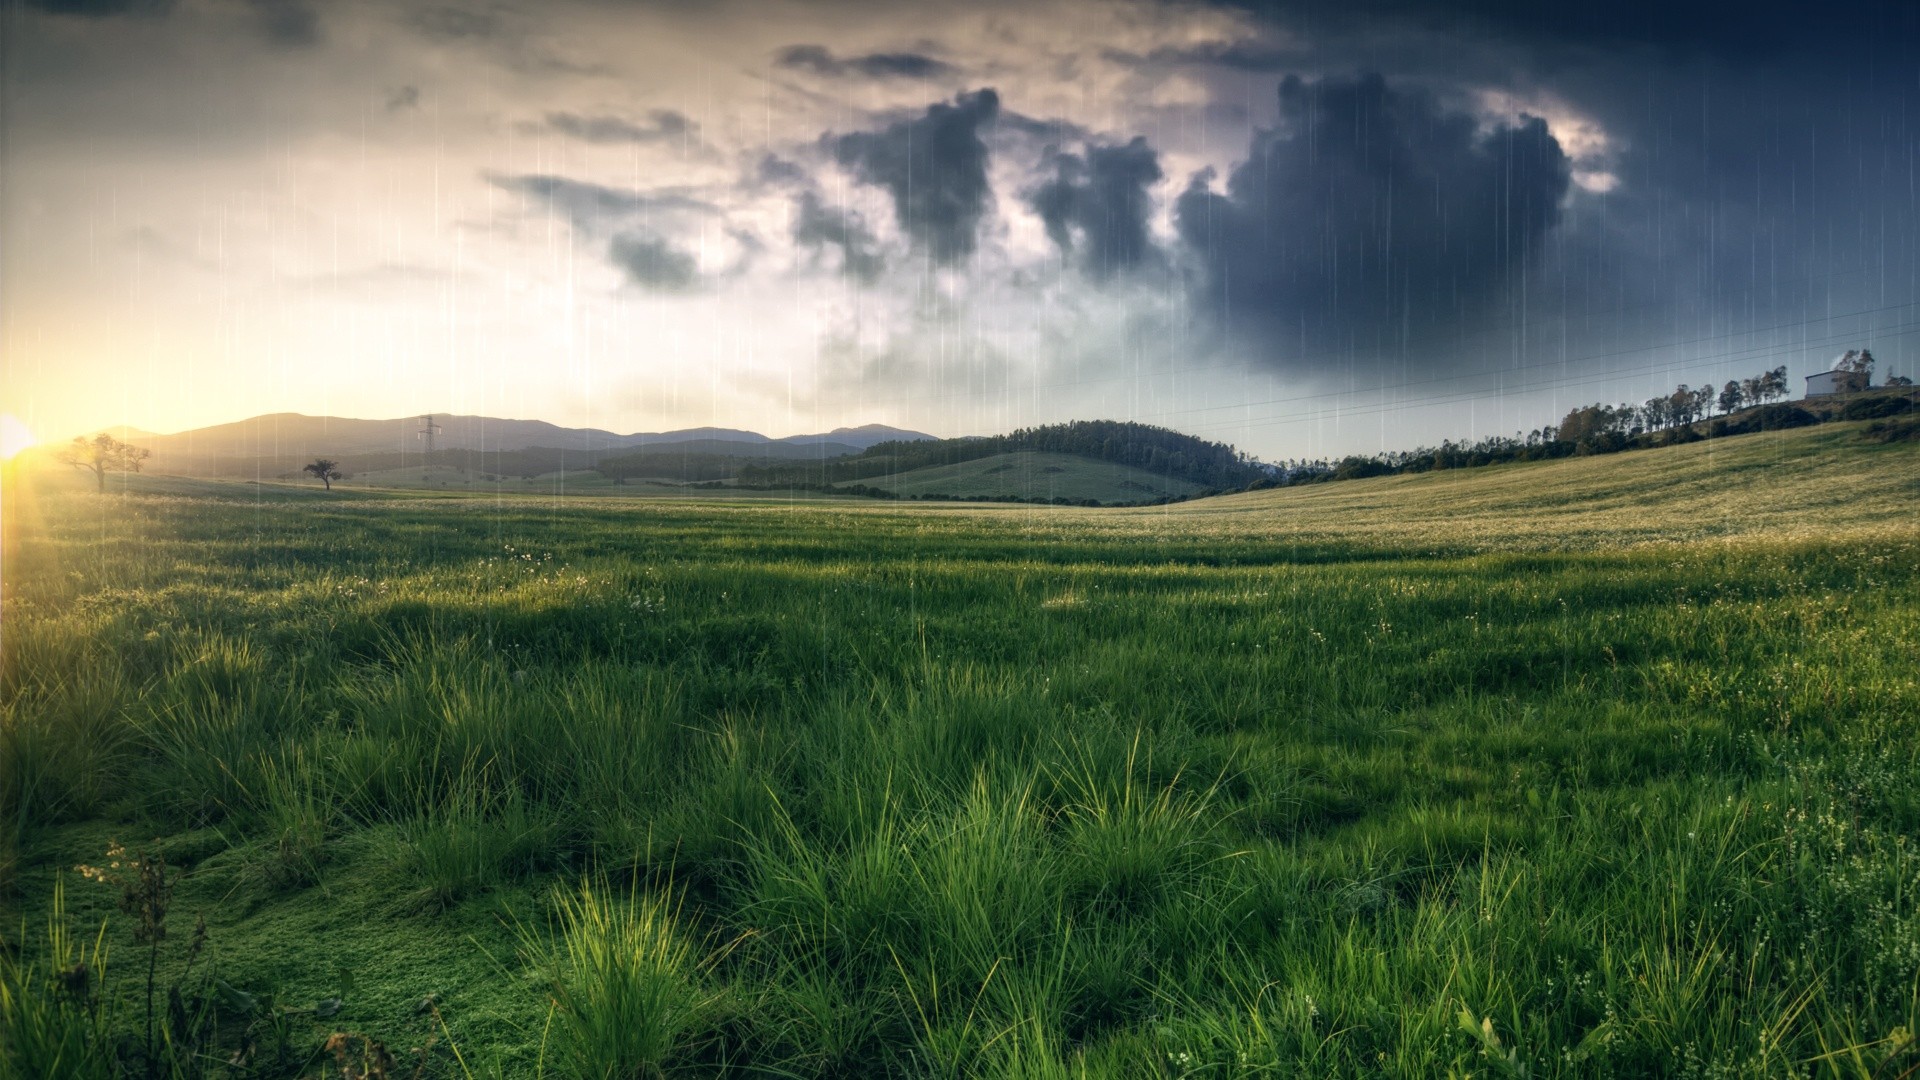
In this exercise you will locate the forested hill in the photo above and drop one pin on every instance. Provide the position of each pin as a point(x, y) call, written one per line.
point(1142, 446)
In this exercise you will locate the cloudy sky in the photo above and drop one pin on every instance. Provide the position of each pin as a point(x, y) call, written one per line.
point(1304, 228)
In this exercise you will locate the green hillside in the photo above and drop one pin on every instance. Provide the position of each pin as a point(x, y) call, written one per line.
point(1827, 481)
point(1035, 476)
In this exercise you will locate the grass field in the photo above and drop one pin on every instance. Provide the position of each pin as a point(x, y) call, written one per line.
point(1598, 767)
point(1027, 475)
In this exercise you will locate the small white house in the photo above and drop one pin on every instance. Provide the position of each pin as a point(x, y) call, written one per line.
point(1836, 382)
point(1827, 382)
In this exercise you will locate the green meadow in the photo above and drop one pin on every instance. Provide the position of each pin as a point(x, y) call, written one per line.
point(1589, 768)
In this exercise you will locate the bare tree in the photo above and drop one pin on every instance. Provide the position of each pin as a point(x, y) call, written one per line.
point(101, 455)
point(327, 469)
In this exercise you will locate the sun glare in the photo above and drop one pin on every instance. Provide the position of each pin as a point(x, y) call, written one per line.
point(14, 436)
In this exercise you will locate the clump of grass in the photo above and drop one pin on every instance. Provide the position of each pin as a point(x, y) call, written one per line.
point(294, 811)
point(65, 748)
point(1127, 843)
point(625, 982)
point(206, 753)
point(51, 1018)
point(474, 839)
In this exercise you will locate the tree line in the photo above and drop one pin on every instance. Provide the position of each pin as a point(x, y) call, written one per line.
point(1601, 428)
point(1678, 409)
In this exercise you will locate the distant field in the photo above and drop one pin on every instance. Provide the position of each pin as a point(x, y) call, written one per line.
point(1034, 475)
point(449, 479)
point(1025, 475)
point(406, 484)
point(1597, 767)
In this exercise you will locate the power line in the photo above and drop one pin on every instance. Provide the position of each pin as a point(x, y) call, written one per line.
point(1898, 330)
point(1487, 373)
point(1469, 396)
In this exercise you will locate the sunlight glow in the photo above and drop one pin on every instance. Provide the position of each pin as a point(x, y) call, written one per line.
point(14, 436)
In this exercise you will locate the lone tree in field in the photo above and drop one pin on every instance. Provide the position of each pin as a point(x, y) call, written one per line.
point(101, 455)
point(326, 469)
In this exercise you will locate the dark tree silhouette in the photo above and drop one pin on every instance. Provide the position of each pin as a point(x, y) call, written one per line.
point(1773, 384)
point(101, 455)
point(326, 469)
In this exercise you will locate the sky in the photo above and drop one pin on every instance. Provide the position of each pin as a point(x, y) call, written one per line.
point(1306, 229)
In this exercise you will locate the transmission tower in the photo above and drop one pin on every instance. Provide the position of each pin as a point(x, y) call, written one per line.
point(426, 433)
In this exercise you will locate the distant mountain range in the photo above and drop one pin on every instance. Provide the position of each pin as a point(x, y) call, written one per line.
point(278, 441)
point(275, 434)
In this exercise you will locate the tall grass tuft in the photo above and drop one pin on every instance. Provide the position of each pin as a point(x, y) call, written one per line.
point(64, 749)
point(52, 1020)
point(625, 982)
point(294, 811)
point(476, 838)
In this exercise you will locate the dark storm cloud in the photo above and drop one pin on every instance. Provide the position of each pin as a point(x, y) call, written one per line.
point(1054, 130)
point(775, 171)
point(406, 97)
point(654, 264)
point(1234, 55)
point(592, 205)
point(935, 167)
point(818, 226)
point(99, 9)
point(660, 125)
point(288, 24)
point(1751, 29)
point(819, 61)
point(1371, 216)
point(1103, 199)
point(1778, 193)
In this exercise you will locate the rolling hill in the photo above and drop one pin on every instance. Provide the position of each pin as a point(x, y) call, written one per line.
point(1830, 480)
point(1112, 461)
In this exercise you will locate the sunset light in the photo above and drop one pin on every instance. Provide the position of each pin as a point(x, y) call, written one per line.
point(15, 436)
